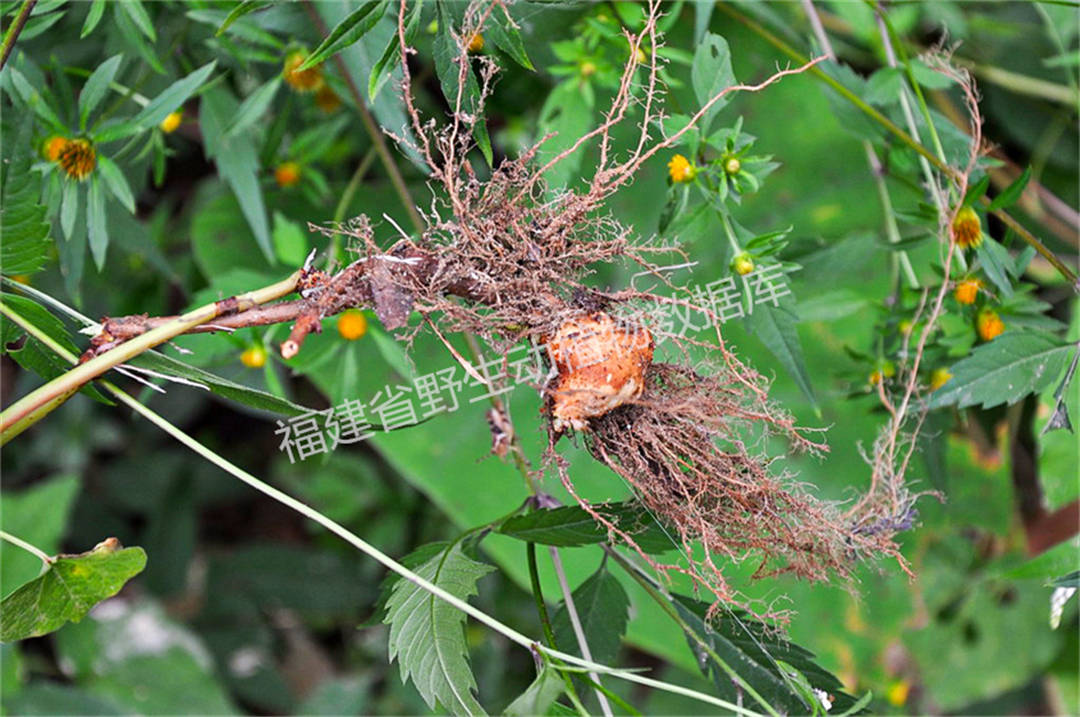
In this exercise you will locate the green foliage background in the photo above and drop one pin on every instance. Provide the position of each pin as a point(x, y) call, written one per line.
point(248, 608)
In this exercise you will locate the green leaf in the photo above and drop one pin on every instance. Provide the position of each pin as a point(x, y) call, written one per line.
point(604, 610)
point(160, 107)
point(34, 99)
point(254, 107)
point(93, 17)
point(237, 164)
point(247, 6)
point(1004, 370)
point(67, 590)
point(97, 85)
point(355, 25)
point(290, 244)
point(426, 633)
point(383, 68)
point(1072, 580)
point(22, 221)
point(571, 526)
point(996, 262)
point(1011, 193)
point(538, 696)
point(447, 66)
point(69, 207)
point(776, 327)
point(754, 652)
point(95, 222)
point(976, 191)
point(219, 386)
point(710, 74)
point(503, 32)
point(135, 10)
point(117, 183)
point(39, 515)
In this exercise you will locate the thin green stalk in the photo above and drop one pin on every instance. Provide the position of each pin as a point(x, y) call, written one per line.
point(373, 552)
point(900, 134)
point(545, 622)
point(12, 33)
point(346, 198)
point(39, 403)
point(33, 550)
point(665, 604)
point(892, 231)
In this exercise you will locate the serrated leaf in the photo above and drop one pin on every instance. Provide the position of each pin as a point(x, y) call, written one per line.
point(68, 589)
point(22, 217)
point(355, 25)
point(448, 57)
point(97, 85)
point(1011, 193)
point(776, 327)
point(754, 652)
point(505, 35)
point(1004, 370)
point(95, 222)
point(710, 74)
point(538, 696)
point(603, 608)
point(117, 183)
point(427, 636)
point(571, 526)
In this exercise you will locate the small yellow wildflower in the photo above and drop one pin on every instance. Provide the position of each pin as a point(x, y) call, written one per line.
point(939, 377)
point(588, 69)
point(640, 57)
point(476, 43)
point(967, 290)
point(680, 169)
point(254, 356)
point(732, 165)
point(742, 264)
point(967, 229)
point(905, 326)
point(327, 100)
point(989, 325)
point(887, 369)
point(171, 121)
point(78, 158)
point(301, 80)
point(897, 693)
point(53, 147)
point(287, 174)
point(352, 324)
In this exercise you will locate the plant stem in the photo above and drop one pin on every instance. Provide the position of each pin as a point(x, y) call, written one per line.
point(39, 403)
point(370, 550)
point(545, 620)
point(33, 550)
point(575, 623)
point(346, 198)
point(12, 33)
point(665, 604)
point(900, 134)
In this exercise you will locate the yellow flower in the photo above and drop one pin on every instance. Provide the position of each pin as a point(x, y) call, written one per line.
point(301, 80)
point(53, 147)
point(588, 69)
point(476, 43)
point(680, 169)
point(352, 324)
point(326, 99)
point(967, 229)
point(967, 290)
point(939, 377)
point(989, 325)
point(78, 158)
point(254, 356)
point(287, 174)
point(742, 264)
point(732, 165)
point(171, 121)
point(887, 369)
point(640, 56)
point(897, 693)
